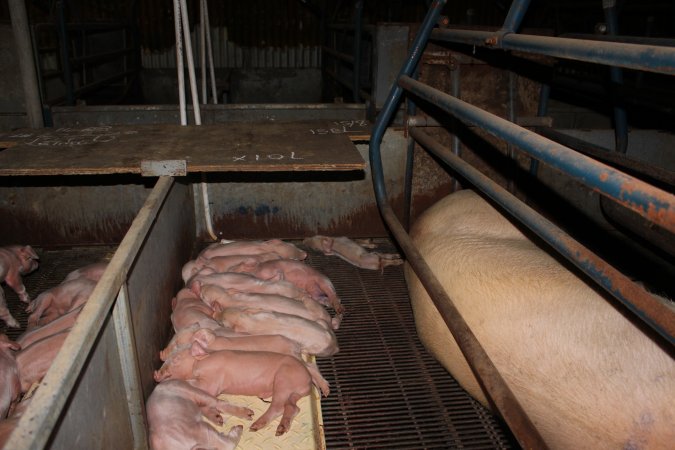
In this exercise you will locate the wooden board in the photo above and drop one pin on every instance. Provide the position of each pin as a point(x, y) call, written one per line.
point(237, 147)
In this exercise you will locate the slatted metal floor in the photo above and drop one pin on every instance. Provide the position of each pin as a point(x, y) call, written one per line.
point(387, 392)
point(55, 264)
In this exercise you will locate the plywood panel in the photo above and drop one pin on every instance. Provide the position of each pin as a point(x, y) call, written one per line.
point(238, 147)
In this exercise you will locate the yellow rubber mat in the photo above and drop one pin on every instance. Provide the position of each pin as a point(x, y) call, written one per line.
point(306, 431)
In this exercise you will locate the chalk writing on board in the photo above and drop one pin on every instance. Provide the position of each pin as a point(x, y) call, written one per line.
point(270, 157)
point(342, 126)
point(76, 136)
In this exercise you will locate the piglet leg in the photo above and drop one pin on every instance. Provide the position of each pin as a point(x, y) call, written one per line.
point(5, 314)
point(219, 441)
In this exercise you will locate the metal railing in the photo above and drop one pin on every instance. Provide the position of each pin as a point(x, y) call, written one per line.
point(653, 204)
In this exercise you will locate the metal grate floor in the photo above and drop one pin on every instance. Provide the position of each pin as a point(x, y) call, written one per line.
point(54, 266)
point(386, 391)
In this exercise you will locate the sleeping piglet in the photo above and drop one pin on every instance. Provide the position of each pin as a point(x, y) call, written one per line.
point(175, 420)
point(10, 385)
point(301, 275)
point(15, 260)
point(262, 374)
point(313, 338)
point(219, 299)
point(225, 248)
point(352, 252)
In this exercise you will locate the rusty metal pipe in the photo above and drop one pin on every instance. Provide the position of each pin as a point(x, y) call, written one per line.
point(654, 313)
point(650, 202)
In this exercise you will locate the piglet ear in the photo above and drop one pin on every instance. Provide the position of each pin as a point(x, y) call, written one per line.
point(278, 276)
point(327, 244)
point(28, 252)
point(174, 302)
point(204, 336)
point(198, 351)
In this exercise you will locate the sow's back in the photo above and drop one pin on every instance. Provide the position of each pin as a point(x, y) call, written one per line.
point(586, 375)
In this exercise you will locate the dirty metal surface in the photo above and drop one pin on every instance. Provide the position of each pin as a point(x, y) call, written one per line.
point(236, 147)
point(386, 391)
point(55, 264)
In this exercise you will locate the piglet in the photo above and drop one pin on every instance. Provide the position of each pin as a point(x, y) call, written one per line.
point(184, 336)
point(59, 300)
point(352, 252)
point(15, 260)
point(219, 299)
point(245, 282)
point(266, 342)
point(313, 338)
point(225, 248)
point(62, 323)
point(302, 276)
point(10, 385)
point(189, 309)
point(262, 374)
point(175, 420)
point(222, 264)
point(91, 272)
point(34, 361)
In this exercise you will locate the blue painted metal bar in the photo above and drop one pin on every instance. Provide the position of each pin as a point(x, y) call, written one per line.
point(491, 381)
point(616, 76)
point(515, 16)
point(656, 314)
point(652, 203)
point(650, 58)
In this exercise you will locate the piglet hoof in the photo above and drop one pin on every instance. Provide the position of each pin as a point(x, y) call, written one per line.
point(238, 411)
point(12, 322)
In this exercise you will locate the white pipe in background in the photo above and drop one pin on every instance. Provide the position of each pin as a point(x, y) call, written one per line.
point(191, 62)
point(179, 62)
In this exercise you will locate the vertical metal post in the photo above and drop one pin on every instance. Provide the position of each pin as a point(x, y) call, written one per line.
point(22, 38)
point(358, 25)
point(542, 110)
point(65, 53)
point(616, 78)
point(515, 16)
point(202, 49)
point(180, 69)
point(124, 332)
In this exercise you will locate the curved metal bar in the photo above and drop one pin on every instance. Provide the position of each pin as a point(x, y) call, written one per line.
point(652, 203)
point(654, 313)
point(491, 381)
point(650, 58)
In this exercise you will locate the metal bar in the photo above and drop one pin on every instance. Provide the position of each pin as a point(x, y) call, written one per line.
point(27, 67)
point(358, 25)
point(648, 201)
point(515, 16)
point(65, 59)
point(209, 50)
point(542, 110)
point(369, 29)
point(202, 50)
point(342, 56)
point(656, 174)
point(650, 58)
point(454, 90)
point(493, 384)
point(654, 313)
point(37, 423)
point(190, 61)
point(642, 40)
point(130, 372)
point(616, 77)
point(179, 62)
